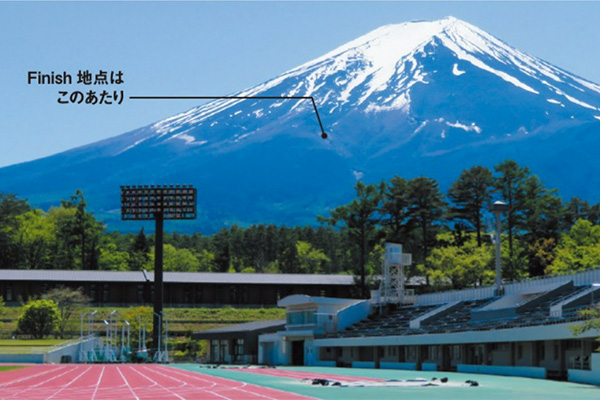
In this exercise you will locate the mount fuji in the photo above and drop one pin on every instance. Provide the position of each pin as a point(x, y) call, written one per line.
point(419, 98)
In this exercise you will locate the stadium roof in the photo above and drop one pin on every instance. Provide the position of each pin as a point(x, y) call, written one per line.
point(239, 330)
point(173, 277)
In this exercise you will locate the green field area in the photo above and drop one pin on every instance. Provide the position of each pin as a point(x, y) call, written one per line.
point(491, 387)
point(182, 321)
point(19, 346)
point(10, 367)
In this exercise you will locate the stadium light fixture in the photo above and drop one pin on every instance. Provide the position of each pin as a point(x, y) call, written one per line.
point(158, 203)
point(497, 208)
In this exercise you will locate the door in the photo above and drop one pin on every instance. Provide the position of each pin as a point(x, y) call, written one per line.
point(298, 352)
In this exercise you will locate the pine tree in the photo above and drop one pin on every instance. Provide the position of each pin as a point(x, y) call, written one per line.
point(510, 186)
point(360, 220)
point(426, 208)
point(395, 209)
point(470, 193)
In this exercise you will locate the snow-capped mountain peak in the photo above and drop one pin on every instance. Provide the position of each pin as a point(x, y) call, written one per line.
point(386, 71)
point(418, 98)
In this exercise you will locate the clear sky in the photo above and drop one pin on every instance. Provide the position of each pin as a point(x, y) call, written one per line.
point(215, 48)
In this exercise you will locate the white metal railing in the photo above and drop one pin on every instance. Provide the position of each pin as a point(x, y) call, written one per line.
point(580, 278)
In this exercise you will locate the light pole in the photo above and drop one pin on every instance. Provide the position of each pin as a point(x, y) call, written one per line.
point(128, 327)
point(158, 354)
point(498, 207)
point(110, 330)
point(81, 323)
point(91, 323)
point(106, 345)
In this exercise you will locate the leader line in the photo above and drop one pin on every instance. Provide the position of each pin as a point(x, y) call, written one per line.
point(323, 133)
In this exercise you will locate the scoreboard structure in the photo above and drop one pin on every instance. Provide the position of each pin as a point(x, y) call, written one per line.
point(158, 203)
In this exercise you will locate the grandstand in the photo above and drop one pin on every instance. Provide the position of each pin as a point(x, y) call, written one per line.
point(525, 331)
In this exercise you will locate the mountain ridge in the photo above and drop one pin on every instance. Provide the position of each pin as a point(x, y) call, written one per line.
point(425, 92)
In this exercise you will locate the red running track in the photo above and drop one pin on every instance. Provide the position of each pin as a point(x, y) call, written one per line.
point(285, 373)
point(127, 382)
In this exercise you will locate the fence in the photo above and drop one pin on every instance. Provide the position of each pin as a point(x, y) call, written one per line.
point(581, 278)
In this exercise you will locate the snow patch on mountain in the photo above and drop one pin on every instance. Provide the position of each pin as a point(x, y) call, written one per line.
point(467, 128)
point(457, 71)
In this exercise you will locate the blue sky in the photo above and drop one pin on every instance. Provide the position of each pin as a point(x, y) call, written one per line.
point(210, 48)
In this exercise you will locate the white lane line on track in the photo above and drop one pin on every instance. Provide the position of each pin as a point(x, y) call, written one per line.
point(194, 375)
point(157, 384)
point(70, 383)
point(98, 383)
point(48, 370)
point(197, 387)
point(41, 383)
point(127, 384)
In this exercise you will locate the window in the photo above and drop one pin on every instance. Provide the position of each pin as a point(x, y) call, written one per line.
point(233, 294)
point(214, 344)
point(9, 292)
point(140, 293)
point(239, 349)
point(542, 355)
point(556, 351)
point(520, 351)
point(303, 317)
point(224, 351)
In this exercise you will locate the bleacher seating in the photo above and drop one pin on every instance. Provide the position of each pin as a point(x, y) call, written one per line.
point(458, 319)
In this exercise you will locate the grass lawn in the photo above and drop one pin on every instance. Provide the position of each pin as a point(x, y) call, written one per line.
point(10, 367)
point(32, 342)
point(14, 346)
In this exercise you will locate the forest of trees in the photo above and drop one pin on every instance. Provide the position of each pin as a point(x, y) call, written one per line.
point(447, 233)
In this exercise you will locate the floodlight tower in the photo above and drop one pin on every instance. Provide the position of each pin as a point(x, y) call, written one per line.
point(392, 283)
point(498, 207)
point(158, 203)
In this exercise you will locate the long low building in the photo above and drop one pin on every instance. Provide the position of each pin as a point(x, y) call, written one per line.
point(192, 289)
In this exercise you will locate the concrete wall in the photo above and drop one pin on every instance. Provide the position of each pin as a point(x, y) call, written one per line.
point(530, 333)
point(528, 372)
point(584, 376)
point(271, 349)
point(22, 358)
point(363, 364)
point(429, 367)
point(319, 363)
point(51, 357)
point(353, 314)
point(398, 365)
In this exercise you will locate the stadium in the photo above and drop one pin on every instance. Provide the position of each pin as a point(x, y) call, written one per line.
point(276, 168)
point(448, 344)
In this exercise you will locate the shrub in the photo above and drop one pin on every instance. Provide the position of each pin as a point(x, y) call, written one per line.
point(39, 318)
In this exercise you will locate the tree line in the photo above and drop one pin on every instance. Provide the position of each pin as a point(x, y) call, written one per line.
point(448, 234)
